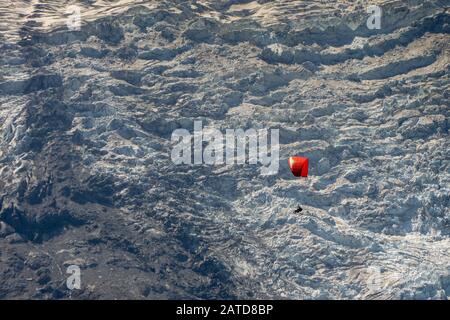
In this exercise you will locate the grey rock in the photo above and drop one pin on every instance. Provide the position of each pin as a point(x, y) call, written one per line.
point(323, 166)
point(87, 179)
point(5, 230)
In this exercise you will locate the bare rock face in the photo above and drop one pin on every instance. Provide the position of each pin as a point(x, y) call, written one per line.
point(87, 180)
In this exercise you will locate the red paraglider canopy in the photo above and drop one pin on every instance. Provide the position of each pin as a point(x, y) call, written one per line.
point(299, 166)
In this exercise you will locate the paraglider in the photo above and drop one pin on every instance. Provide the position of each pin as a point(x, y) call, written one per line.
point(299, 166)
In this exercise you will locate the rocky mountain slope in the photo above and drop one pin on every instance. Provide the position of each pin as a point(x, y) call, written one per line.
point(86, 177)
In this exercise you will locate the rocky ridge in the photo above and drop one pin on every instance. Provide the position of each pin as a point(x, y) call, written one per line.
point(86, 177)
